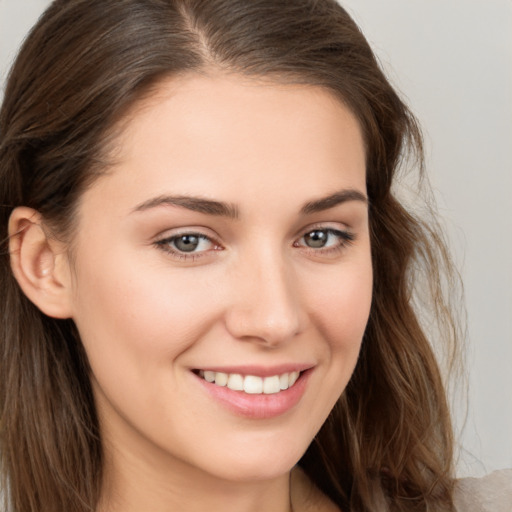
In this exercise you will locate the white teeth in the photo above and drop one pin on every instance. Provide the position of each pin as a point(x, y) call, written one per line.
point(251, 384)
point(292, 378)
point(235, 382)
point(221, 379)
point(209, 376)
point(271, 385)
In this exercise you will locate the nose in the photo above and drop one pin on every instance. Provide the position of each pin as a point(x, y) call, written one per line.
point(266, 307)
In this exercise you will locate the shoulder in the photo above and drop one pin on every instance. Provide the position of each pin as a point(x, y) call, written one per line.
point(306, 497)
point(492, 493)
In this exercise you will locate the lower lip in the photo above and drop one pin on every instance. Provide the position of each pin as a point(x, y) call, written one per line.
point(258, 406)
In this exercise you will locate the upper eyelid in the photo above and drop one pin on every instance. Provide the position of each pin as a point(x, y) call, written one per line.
point(329, 225)
point(169, 238)
point(206, 232)
point(200, 231)
point(167, 234)
point(330, 230)
point(347, 236)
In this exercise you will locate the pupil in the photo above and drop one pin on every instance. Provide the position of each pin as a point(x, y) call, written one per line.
point(316, 239)
point(187, 243)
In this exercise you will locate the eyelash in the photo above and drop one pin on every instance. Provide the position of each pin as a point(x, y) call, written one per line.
point(345, 239)
point(165, 245)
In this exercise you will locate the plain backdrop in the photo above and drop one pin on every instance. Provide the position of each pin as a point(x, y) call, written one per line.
point(452, 62)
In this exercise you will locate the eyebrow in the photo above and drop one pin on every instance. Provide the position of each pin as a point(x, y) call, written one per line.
point(218, 208)
point(196, 204)
point(332, 200)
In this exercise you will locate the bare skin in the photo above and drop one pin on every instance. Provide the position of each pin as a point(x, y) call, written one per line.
point(230, 236)
point(306, 497)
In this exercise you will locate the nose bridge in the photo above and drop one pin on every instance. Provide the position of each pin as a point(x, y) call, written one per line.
point(266, 306)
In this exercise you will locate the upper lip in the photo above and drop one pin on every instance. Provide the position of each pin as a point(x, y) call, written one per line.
point(258, 370)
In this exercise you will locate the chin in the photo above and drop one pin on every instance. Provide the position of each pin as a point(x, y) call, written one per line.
point(256, 461)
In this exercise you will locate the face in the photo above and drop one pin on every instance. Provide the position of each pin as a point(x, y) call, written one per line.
point(222, 275)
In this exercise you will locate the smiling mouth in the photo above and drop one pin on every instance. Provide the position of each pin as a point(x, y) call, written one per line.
point(251, 384)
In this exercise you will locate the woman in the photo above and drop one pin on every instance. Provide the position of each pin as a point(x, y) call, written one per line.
point(208, 283)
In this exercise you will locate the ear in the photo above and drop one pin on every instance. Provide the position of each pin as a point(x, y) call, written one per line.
point(39, 263)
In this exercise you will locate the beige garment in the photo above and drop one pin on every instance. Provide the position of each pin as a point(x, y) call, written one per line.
point(492, 493)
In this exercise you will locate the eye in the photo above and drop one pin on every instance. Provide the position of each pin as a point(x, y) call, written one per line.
point(325, 238)
point(187, 244)
point(318, 238)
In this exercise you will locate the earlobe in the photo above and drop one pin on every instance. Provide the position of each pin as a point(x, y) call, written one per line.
point(39, 263)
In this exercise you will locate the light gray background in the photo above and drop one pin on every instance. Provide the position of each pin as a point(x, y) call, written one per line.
point(452, 61)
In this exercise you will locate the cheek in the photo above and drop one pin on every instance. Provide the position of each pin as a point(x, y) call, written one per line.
point(341, 307)
point(339, 310)
point(136, 316)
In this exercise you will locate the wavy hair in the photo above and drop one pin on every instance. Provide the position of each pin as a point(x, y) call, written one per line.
point(387, 444)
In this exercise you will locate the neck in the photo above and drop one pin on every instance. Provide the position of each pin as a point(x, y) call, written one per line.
point(131, 487)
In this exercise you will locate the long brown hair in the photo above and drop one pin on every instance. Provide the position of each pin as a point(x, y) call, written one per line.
point(83, 65)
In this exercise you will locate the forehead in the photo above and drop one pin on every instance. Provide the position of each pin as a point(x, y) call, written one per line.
point(219, 136)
